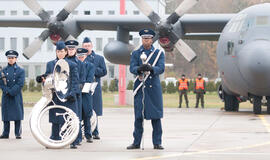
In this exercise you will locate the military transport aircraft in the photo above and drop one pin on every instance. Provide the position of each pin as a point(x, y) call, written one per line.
point(243, 41)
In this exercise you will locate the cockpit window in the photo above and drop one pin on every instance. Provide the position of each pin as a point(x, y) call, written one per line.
point(262, 20)
point(237, 23)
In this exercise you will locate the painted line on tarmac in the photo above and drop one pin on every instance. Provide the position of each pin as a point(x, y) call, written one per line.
point(265, 123)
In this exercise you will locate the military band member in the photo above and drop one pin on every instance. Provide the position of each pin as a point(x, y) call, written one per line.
point(71, 49)
point(11, 83)
point(71, 103)
point(87, 98)
point(183, 90)
point(153, 103)
point(100, 71)
point(199, 89)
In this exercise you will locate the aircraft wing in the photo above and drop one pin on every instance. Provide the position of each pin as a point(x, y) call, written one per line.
point(195, 26)
point(21, 21)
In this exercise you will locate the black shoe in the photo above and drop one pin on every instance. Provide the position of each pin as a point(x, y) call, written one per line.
point(179, 106)
point(79, 144)
point(158, 146)
point(18, 137)
point(96, 137)
point(4, 137)
point(73, 146)
point(133, 146)
point(89, 140)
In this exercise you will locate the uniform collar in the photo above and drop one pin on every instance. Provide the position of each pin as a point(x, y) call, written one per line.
point(143, 49)
point(14, 65)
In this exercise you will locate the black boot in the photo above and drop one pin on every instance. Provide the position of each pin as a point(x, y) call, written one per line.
point(158, 146)
point(4, 137)
point(133, 146)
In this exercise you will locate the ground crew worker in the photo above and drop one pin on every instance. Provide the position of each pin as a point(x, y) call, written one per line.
point(11, 83)
point(100, 71)
point(199, 89)
point(87, 98)
point(151, 108)
point(183, 89)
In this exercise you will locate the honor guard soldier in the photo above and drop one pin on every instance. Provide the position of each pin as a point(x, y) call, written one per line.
point(148, 103)
point(183, 90)
point(71, 103)
point(11, 83)
point(100, 71)
point(87, 98)
point(71, 48)
point(199, 89)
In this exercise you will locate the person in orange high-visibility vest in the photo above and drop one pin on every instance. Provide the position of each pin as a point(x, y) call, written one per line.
point(183, 85)
point(200, 90)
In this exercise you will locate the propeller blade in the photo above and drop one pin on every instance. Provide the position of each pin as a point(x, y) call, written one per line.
point(69, 7)
point(185, 50)
point(37, 9)
point(185, 6)
point(180, 10)
point(36, 44)
point(147, 10)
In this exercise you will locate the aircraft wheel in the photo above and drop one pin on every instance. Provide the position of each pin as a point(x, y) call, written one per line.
point(230, 103)
point(268, 104)
point(257, 105)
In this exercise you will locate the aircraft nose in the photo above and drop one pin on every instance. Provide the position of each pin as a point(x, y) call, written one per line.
point(254, 63)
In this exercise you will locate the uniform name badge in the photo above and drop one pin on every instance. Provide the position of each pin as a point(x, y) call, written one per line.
point(87, 87)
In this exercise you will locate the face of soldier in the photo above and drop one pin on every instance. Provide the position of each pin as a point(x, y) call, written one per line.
point(61, 54)
point(183, 77)
point(71, 51)
point(81, 58)
point(12, 60)
point(199, 77)
point(88, 46)
point(147, 42)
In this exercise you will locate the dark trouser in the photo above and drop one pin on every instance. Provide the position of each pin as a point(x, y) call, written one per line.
point(138, 131)
point(56, 127)
point(96, 132)
point(87, 127)
point(77, 140)
point(181, 93)
point(198, 97)
point(18, 128)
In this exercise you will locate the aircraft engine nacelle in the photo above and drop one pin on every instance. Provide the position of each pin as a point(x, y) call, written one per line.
point(118, 52)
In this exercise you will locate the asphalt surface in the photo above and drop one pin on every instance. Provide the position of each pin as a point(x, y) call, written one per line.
point(188, 134)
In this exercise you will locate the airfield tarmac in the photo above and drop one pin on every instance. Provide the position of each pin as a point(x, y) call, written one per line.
point(203, 134)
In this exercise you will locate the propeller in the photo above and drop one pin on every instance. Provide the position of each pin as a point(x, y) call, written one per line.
point(168, 34)
point(55, 25)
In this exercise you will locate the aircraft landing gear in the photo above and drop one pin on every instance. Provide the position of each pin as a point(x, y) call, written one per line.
point(268, 104)
point(257, 104)
point(230, 103)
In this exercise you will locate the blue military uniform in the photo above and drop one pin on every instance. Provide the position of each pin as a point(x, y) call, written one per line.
point(71, 102)
point(87, 98)
point(100, 71)
point(12, 101)
point(153, 94)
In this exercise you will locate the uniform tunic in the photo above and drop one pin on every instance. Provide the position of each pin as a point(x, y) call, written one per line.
point(153, 92)
point(71, 92)
point(100, 71)
point(12, 101)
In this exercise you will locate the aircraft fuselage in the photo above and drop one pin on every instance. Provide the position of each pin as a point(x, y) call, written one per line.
point(243, 52)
